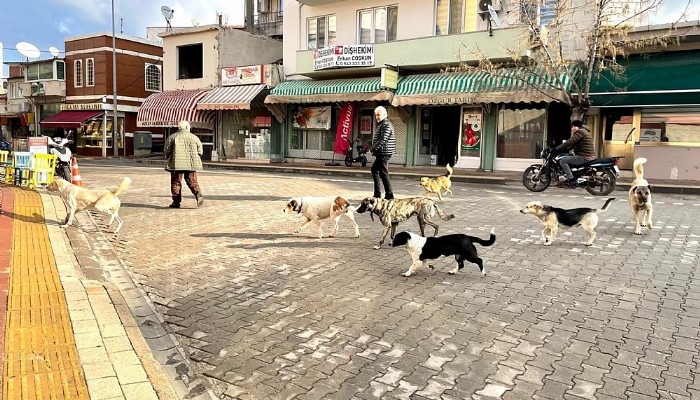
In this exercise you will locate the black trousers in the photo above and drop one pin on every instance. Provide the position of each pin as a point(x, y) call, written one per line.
point(380, 172)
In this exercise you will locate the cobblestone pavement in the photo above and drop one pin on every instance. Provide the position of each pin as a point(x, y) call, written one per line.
point(268, 314)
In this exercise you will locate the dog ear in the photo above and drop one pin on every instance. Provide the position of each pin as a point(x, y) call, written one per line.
point(649, 187)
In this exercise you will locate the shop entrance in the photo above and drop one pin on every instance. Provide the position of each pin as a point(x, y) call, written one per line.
point(439, 135)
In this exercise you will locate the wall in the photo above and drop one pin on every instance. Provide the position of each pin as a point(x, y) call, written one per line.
point(670, 162)
point(208, 37)
point(239, 48)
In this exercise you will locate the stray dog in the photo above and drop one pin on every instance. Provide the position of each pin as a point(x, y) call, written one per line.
point(435, 185)
point(318, 208)
point(461, 246)
point(551, 217)
point(393, 211)
point(77, 198)
point(640, 197)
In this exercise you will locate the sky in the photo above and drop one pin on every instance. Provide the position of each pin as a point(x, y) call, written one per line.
point(45, 23)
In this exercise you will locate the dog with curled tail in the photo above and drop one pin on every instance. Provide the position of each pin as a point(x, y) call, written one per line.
point(640, 198)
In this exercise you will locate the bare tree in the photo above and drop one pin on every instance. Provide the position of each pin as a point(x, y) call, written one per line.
point(574, 42)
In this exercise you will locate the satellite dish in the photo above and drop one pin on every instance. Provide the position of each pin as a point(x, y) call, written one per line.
point(494, 16)
point(167, 12)
point(54, 52)
point(195, 23)
point(484, 5)
point(28, 50)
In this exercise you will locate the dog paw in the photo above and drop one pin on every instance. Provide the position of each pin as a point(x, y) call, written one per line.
point(406, 274)
point(643, 225)
point(431, 266)
point(547, 243)
point(296, 231)
point(376, 247)
point(638, 231)
point(588, 244)
point(649, 226)
point(483, 272)
point(357, 236)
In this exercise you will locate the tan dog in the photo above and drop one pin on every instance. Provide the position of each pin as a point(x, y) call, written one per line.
point(640, 198)
point(435, 185)
point(551, 217)
point(77, 198)
point(318, 208)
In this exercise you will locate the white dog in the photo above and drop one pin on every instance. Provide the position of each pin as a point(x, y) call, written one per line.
point(77, 198)
point(640, 198)
point(318, 208)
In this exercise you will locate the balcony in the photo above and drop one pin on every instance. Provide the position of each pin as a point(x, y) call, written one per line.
point(426, 54)
point(314, 3)
point(16, 107)
point(43, 89)
point(268, 24)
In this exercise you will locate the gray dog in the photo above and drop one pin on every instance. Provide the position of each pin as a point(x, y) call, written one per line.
point(393, 211)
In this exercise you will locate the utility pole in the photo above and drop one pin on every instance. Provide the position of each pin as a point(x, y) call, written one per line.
point(115, 130)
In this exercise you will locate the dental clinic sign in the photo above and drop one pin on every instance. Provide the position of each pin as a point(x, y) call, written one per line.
point(352, 55)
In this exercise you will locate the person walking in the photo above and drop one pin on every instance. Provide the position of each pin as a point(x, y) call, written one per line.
point(582, 145)
point(383, 147)
point(183, 151)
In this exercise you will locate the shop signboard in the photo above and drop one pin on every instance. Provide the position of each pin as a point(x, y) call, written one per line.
point(39, 145)
point(351, 55)
point(471, 136)
point(312, 118)
point(247, 75)
point(389, 78)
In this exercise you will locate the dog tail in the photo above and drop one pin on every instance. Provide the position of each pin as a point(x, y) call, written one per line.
point(605, 206)
point(122, 187)
point(442, 215)
point(449, 171)
point(491, 240)
point(638, 168)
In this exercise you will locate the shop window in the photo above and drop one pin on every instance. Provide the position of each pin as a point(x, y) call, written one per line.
point(153, 78)
point(90, 72)
point(378, 24)
point(78, 73)
point(670, 127)
point(321, 32)
point(190, 61)
point(521, 133)
point(448, 16)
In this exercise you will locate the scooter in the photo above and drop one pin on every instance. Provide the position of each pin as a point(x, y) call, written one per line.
point(58, 146)
point(362, 150)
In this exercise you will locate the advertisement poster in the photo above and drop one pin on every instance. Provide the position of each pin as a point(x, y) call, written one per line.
point(471, 136)
point(252, 74)
point(344, 131)
point(39, 145)
point(312, 118)
point(352, 55)
point(366, 125)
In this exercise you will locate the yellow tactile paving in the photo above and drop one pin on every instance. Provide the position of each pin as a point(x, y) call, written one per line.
point(41, 358)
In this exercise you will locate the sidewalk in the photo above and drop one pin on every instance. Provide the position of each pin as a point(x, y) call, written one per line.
point(511, 178)
point(65, 336)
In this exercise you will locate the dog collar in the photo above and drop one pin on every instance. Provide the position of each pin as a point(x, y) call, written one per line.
point(299, 210)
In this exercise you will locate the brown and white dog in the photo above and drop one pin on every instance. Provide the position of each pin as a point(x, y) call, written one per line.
point(436, 185)
point(552, 217)
point(77, 198)
point(318, 208)
point(640, 198)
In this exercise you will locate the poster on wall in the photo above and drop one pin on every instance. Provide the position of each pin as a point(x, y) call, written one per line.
point(366, 125)
point(471, 136)
point(312, 118)
point(39, 145)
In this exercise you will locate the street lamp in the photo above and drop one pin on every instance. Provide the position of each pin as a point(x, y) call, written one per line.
point(114, 86)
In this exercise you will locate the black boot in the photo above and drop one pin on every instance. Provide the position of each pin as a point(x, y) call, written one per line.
point(174, 205)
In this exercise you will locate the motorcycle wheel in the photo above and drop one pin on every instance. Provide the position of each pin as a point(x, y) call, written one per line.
point(541, 183)
point(66, 173)
point(602, 184)
point(363, 162)
point(348, 162)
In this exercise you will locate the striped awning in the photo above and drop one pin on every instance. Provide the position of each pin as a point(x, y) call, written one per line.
point(502, 86)
point(332, 90)
point(166, 109)
point(230, 98)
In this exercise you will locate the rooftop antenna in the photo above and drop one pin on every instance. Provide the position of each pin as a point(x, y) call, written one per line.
point(54, 52)
point(195, 23)
point(28, 50)
point(168, 14)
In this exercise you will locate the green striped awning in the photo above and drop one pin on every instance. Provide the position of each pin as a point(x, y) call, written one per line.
point(332, 90)
point(503, 86)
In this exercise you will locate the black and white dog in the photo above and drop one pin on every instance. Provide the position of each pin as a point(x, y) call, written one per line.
point(461, 246)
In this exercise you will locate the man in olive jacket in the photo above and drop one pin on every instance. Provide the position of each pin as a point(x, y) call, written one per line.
point(383, 147)
point(581, 143)
point(183, 151)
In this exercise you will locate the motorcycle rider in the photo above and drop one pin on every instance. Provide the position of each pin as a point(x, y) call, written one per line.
point(582, 145)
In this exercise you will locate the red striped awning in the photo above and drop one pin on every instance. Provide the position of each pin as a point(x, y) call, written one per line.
point(262, 122)
point(166, 109)
point(230, 98)
point(69, 118)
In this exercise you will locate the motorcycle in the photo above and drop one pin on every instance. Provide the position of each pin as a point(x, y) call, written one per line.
point(58, 146)
point(598, 176)
point(4, 145)
point(362, 150)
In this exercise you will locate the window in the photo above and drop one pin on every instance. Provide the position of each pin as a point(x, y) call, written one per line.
point(15, 92)
point(190, 61)
point(90, 72)
point(45, 71)
point(153, 78)
point(78, 71)
point(521, 133)
point(321, 32)
point(448, 16)
point(378, 25)
point(662, 126)
point(60, 70)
